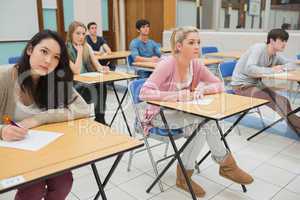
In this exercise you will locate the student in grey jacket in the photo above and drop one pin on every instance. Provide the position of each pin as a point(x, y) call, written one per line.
point(38, 90)
point(262, 59)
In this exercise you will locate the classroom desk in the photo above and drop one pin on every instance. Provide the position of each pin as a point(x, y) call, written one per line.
point(223, 106)
point(110, 77)
point(229, 54)
point(113, 56)
point(84, 142)
point(151, 65)
point(293, 76)
point(165, 50)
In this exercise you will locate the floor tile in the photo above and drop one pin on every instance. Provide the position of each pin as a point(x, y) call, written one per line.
point(286, 195)
point(170, 194)
point(137, 187)
point(230, 195)
point(286, 162)
point(293, 186)
point(274, 175)
point(257, 190)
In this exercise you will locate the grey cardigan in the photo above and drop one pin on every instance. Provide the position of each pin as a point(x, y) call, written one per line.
point(77, 109)
point(255, 62)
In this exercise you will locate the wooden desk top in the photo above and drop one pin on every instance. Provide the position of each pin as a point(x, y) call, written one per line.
point(84, 141)
point(151, 65)
point(229, 54)
point(223, 105)
point(110, 76)
point(166, 50)
point(113, 55)
point(289, 76)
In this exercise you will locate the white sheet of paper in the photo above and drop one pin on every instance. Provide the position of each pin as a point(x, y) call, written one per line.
point(285, 73)
point(91, 74)
point(204, 101)
point(34, 141)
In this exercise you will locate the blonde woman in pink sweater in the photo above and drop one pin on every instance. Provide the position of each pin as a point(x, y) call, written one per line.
point(181, 77)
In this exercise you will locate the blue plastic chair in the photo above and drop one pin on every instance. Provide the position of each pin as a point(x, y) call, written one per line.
point(13, 60)
point(226, 70)
point(156, 133)
point(141, 73)
point(208, 49)
point(298, 86)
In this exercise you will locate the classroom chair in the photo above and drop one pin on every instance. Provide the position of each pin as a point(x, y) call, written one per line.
point(141, 73)
point(159, 134)
point(298, 84)
point(208, 49)
point(13, 60)
point(226, 70)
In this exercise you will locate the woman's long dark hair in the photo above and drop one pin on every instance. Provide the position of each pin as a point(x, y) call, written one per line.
point(53, 90)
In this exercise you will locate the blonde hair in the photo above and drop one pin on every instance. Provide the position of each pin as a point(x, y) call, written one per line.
point(179, 34)
point(71, 30)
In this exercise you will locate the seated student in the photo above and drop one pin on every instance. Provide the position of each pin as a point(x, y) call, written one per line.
point(262, 58)
point(182, 77)
point(98, 43)
point(286, 26)
point(30, 96)
point(82, 60)
point(142, 48)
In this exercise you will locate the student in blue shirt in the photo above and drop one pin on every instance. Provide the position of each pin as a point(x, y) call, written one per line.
point(142, 48)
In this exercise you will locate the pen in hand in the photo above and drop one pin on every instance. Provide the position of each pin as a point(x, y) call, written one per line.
point(8, 120)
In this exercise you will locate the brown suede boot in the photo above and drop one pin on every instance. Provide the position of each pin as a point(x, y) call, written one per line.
point(181, 183)
point(294, 123)
point(230, 170)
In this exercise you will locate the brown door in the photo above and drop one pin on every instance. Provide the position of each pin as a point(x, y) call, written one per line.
point(108, 28)
point(59, 12)
point(144, 9)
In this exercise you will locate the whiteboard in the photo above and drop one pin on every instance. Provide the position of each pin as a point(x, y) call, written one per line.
point(18, 19)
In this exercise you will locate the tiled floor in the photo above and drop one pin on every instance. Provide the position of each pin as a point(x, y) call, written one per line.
point(274, 162)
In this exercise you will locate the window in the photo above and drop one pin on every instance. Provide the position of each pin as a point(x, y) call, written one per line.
point(242, 14)
point(285, 13)
point(247, 15)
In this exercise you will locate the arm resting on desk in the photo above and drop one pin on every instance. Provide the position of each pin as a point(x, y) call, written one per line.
point(77, 109)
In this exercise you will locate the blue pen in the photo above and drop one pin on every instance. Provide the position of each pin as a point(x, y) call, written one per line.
point(14, 123)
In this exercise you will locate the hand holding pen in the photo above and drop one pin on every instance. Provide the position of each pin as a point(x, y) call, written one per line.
point(12, 131)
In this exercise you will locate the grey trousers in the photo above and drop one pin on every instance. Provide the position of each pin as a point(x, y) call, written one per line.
point(208, 133)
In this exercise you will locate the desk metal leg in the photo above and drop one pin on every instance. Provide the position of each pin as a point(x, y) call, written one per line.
point(120, 108)
point(101, 186)
point(226, 145)
point(282, 118)
point(223, 136)
point(177, 155)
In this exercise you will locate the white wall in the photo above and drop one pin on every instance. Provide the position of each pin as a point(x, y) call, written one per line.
point(231, 41)
point(18, 20)
point(186, 13)
point(87, 11)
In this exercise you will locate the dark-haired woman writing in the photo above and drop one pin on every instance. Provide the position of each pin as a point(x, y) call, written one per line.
point(38, 90)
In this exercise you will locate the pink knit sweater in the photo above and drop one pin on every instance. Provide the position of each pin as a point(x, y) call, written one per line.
point(161, 85)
